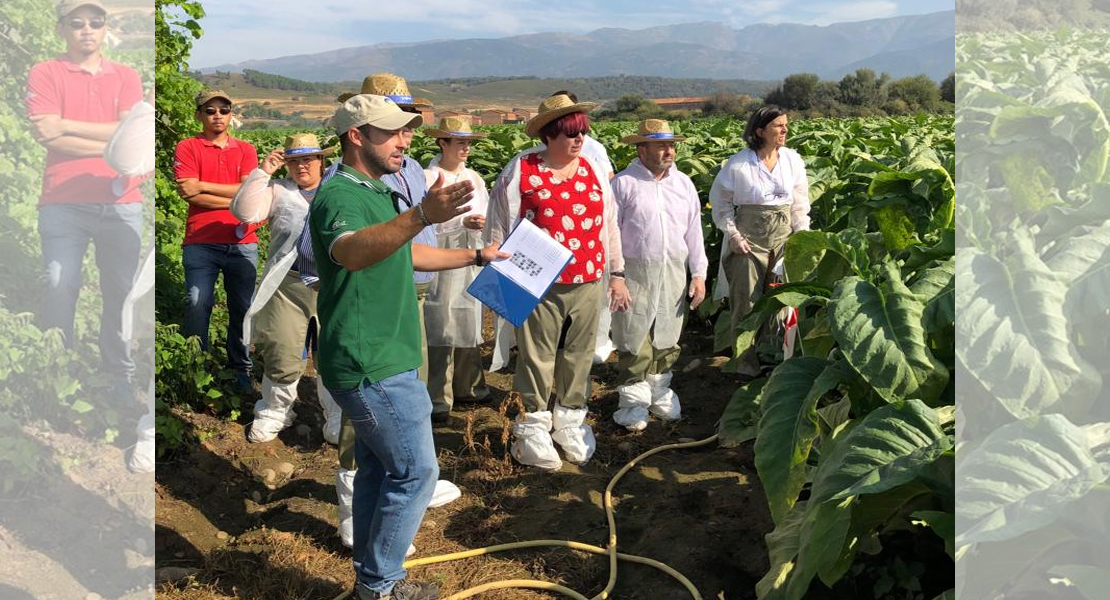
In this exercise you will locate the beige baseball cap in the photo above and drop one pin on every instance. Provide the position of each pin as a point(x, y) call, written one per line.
point(368, 109)
point(208, 95)
point(67, 6)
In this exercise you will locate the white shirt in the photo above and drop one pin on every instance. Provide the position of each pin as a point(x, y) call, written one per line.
point(744, 179)
point(660, 219)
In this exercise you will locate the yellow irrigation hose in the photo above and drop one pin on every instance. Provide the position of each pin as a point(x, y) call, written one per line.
point(610, 551)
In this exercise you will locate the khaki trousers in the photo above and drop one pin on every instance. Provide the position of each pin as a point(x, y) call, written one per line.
point(346, 431)
point(454, 373)
point(556, 346)
point(280, 328)
point(634, 367)
point(766, 228)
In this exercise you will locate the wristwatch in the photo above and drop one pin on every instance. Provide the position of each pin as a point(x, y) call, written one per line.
point(478, 258)
point(617, 274)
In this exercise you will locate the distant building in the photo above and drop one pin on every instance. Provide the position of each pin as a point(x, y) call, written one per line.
point(492, 116)
point(429, 115)
point(680, 103)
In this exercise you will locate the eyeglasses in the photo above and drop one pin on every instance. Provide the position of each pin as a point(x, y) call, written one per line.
point(211, 110)
point(78, 24)
point(574, 134)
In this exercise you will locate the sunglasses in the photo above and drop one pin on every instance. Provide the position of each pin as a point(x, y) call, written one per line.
point(211, 110)
point(77, 24)
point(574, 134)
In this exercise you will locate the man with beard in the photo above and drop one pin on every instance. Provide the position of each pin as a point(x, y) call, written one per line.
point(370, 337)
point(660, 224)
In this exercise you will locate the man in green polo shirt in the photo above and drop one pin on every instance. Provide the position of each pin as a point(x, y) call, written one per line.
point(370, 336)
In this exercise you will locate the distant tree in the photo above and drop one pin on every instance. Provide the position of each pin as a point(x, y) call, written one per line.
point(826, 98)
point(629, 103)
point(918, 92)
point(798, 90)
point(863, 88)
point(948, 87)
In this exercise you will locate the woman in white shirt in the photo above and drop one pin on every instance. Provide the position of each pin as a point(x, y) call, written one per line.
point(759, 198)
point(452, 317)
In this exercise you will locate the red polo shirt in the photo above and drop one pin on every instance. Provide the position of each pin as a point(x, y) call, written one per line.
point(60, 87)
point(199, 158)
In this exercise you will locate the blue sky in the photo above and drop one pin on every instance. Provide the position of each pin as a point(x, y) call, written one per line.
point(239, 30)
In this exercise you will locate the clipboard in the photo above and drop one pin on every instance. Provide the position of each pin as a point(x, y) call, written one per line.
point(511, 299)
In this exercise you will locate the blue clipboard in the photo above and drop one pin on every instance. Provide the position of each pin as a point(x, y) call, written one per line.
point(503, 295)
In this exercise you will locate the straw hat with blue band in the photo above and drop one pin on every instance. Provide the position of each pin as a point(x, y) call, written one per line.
point(391, 86)
point(653, 130)
point(454, 127)
point(300, 145)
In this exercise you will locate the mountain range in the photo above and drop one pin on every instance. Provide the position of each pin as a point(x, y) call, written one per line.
point(901, 46)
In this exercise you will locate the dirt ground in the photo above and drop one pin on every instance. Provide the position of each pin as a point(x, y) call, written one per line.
point(223, 531)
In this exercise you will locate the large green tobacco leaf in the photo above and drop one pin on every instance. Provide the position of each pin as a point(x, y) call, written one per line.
point(782, 549)
point(1081, 259)
point(789, 426)
point(821, 257)
point(878, 456)
point(879, 330)
point(936, 287)
point(821, 543)
point(888, 447)
point(1013, 331)
point(740, 421)
point(1024, 476)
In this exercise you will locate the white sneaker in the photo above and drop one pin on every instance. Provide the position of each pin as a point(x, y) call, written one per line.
point(632, 406)
point(573, 435)
point(532, 445)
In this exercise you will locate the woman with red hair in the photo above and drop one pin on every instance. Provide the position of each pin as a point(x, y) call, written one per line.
point(568, 196)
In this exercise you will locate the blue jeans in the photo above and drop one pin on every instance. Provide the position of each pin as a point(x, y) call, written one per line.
point(115, 230)
point(203, 264)
point(397, 471)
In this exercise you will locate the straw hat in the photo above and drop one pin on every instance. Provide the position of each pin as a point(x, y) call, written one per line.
point(391, 86)
point(454, 127)
point(653, 130)
point(300, 145)
point(552, 108)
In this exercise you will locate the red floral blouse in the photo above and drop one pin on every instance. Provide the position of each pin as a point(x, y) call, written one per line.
point(569, 211)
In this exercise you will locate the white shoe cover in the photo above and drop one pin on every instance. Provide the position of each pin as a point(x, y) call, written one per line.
point(532, 441)
point(633, 404)
point(664, 402)
point(445, 493)
point(274, 411)
point(333, 415)
point(142, 456)
point(345, 492)
point(573, 435)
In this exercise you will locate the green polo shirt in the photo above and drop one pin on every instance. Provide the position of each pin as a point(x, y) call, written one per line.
point(369, 325)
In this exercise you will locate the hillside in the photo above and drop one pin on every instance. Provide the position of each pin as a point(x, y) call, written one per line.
point(704, 50)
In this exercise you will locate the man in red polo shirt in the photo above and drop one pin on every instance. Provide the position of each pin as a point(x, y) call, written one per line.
point(75, 102)
point(209, 169)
